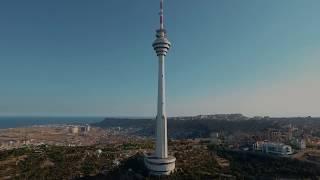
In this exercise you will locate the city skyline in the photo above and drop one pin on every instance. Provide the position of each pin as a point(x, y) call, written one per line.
point(77, 58)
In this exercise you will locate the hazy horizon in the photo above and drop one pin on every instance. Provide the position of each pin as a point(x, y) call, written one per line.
point(94, 58)
point(134, 117)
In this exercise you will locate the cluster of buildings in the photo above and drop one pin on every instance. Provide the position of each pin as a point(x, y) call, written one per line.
point(59, 135)
point(15, 143)
point(283, 141)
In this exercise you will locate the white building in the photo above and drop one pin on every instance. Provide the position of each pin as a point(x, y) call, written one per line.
point(88, 128)
point(272, 148)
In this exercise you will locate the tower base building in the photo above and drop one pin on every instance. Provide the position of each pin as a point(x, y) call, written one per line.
point(160, 166)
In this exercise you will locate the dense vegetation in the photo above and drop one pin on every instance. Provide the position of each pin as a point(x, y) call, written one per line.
point(57, 162)
point(250, 165)
point(194, 161)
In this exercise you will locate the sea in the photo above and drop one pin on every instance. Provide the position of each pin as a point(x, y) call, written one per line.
point(15, 122)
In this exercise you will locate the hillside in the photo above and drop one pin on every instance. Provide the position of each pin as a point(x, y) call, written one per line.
point(195, 160)
point(203, 125)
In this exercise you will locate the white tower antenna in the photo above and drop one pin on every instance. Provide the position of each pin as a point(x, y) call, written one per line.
point(161, 14)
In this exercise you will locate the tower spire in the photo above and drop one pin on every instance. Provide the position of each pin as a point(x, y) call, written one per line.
point(161, 14)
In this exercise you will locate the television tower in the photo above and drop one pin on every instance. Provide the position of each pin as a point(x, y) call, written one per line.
point(160, 163)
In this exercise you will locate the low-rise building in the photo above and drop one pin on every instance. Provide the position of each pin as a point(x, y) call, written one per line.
point(75, 129)
point(299, 143)
point(272, 148)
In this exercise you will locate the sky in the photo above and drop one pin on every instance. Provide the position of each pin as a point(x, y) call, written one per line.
point(94, 58)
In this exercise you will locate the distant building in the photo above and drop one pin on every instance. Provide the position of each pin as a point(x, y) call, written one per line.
point(273, 135)
point(83, 129)
point(272, 148)
point(299, 143)
point(75, 129)
point(116, 162)
point(215, 137)
point(88, 128)
point(98, 152)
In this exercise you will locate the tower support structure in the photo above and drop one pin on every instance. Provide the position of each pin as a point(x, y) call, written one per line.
point(160, 163)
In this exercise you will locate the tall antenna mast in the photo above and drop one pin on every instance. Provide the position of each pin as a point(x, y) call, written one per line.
point(161, 14)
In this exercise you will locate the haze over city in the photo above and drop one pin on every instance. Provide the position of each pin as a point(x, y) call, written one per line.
point(89, 58)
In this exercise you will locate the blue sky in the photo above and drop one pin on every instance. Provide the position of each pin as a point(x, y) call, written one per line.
point(81, 57)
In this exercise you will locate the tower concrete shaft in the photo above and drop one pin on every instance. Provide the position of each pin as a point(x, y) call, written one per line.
point(161, 136)
point(161, 45)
